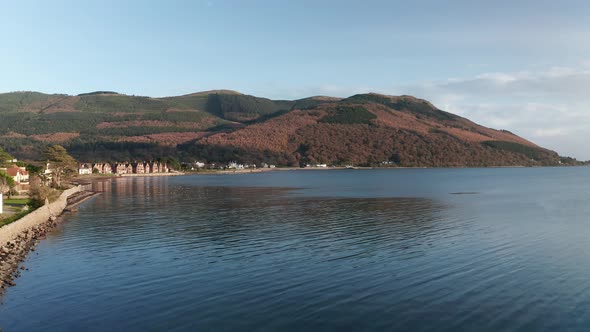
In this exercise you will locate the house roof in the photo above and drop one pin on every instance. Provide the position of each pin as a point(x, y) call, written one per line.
point(14, 170)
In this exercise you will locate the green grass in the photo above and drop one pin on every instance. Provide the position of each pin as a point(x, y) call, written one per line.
point(16, 201)
point(20, 202)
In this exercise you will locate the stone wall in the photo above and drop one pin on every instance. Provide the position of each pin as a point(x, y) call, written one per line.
point(39, 216)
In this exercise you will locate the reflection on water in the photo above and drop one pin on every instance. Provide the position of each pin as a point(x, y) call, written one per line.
point(237, 219)
point(325, 251)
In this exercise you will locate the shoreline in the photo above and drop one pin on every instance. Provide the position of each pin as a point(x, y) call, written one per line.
point(20, 237)
point(150, 174)
point(358, 168)
point(88, 179)
point(92, 178)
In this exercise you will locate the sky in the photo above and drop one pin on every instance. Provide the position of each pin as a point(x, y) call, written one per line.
point(523, 65)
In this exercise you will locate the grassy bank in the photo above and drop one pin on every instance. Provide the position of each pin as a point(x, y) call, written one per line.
point(18, 203)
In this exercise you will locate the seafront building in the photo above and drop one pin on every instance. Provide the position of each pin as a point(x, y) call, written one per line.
point(85, 169)
point(19, 174)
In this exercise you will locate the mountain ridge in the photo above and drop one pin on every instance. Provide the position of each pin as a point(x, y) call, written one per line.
point(224, 125)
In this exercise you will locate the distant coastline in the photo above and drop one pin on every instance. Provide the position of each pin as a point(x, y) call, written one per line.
point(95, 177)
point(334, 168)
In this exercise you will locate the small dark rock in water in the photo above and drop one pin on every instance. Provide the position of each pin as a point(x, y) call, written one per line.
point(22, 267)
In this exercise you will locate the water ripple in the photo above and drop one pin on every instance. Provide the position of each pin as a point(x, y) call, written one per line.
point(203, 253)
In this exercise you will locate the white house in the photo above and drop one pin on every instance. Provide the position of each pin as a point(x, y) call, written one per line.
point(84, 169)
point(19, 174)
point(47, 170)
point(234, 165)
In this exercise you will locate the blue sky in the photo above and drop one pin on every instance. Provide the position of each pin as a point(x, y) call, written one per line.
point(517, 65)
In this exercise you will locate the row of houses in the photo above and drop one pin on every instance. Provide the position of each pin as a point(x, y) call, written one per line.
point(123, 168)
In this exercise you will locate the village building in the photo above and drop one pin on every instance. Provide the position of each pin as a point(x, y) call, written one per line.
point(102, 168)
point(84, 169)
point(107, 169)
point(139, 168)
point(129, 169)
point(19, 174)
point(155, 168)
point(99, 168)
point(47, 171)
point(120, 168)
point(235, 165)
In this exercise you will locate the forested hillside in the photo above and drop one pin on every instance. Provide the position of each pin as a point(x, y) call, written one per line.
point(223, 125)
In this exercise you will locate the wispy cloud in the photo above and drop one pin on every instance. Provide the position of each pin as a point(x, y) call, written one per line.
point(548, 106)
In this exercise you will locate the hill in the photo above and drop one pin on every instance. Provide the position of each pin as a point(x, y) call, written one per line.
point(224, 125)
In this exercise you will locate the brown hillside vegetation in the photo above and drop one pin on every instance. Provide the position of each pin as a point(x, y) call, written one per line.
point(55, 137)
point(225, 125)
point(373, 133)
point(12, 134)
point(273, 135)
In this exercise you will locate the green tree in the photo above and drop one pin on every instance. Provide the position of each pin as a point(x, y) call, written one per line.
point(5, 158)
point(34, 170)
point(172, 163)
point(6, 183)
point(60, 163)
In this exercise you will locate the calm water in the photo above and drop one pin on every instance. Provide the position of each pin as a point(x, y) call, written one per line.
point(370, 250)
